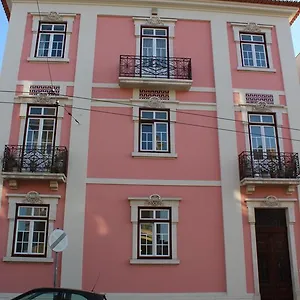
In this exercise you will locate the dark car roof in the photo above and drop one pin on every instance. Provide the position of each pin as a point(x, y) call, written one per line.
point(51, 289)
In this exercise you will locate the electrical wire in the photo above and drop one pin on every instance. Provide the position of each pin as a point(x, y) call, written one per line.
point(49, 69)
point(176, 111)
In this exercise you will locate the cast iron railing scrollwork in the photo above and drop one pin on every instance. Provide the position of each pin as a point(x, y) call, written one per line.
point(37, 159)
point(155, 67)
point(268, 165)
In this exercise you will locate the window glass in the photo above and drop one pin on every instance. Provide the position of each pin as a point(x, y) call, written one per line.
point(245, 37)
point(59, 27)
point(159, 115)
point(254, 118)
point(147, 114)
point(147, 214)
point(46, 27)
point(147, 31)
point(162, 32)
point(267, 119)
point(25, 211)
point(35, 110)
point(258, 38)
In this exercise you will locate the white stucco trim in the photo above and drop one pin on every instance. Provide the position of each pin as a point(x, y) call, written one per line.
point(267, 31)
point(289, 205)
point(10, 67)
point(13, 200)
point(79, 143)
point(158, 182)
point(135, 203)
point(230, 185)
point(36, 18)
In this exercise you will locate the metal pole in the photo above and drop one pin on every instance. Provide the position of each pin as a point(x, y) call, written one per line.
point(55, 269)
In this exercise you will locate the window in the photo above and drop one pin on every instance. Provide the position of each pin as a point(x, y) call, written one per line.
point(253, 49)
point(31, 228)
point(51, 40)
point(263, 135)
point(154, 50)
point(253, 46)
point(40, 128)
point(154, 229)
point(154, 233)
point(154, 130)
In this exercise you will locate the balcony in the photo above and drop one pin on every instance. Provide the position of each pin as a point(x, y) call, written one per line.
point(38, 163)
point(155, 72)
point(268, 168)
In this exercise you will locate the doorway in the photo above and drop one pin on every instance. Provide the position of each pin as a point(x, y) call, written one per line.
point(274, 269)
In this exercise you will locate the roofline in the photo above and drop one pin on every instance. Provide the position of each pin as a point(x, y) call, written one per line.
point(6, 8)
point(292, 3)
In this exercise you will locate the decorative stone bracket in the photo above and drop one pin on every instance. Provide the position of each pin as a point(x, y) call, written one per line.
point(289, 184)
point(14, 178)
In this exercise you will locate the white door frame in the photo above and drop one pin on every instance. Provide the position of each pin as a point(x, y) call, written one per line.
point(273, 202)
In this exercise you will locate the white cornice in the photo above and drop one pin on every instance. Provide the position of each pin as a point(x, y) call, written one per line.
point(203, 5)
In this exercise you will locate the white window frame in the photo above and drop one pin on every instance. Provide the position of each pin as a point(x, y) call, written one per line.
point(31, 219)
point(239, 28)
point(63, 18)
point(253, 51)
point(155, 221)
point(51, 33)
point(140, 104)
point(154, 122)
point(140, 202)
point(13, 200)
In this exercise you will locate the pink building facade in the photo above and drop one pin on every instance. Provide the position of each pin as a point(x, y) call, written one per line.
point(162, 137)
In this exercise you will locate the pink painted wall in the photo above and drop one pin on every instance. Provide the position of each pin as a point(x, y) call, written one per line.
point(200, 52)
point(15, 125)
point(108, 244)
point(112, 131)
point(109, 48)
point(255, 80)
point(39, 70)
point(286, 133)
point(205, 97)
point(112, 93)
point(12, 279)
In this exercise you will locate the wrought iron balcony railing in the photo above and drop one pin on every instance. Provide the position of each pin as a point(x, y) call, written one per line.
point(35, 159)
point(268, 165)
point(155, 67)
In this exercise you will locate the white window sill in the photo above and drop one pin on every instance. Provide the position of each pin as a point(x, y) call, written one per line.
point(136, 261)
point(49, 59)
point(28, 259)
point(154, 155)
point(256, 69)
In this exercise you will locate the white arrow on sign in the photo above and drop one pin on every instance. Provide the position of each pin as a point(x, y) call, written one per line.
point(58, 240)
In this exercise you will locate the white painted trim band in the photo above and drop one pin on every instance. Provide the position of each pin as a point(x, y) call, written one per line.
point(122, 181)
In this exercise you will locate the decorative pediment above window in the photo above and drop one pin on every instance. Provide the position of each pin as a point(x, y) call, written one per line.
point(154, 200)
point(155, 102)
point(33, 198)
point(53, 17)
point(252, 27)
point(154, 21)
point(44, 98)
point(261, 106)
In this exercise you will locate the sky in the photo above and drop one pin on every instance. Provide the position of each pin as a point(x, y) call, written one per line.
point(4, 27)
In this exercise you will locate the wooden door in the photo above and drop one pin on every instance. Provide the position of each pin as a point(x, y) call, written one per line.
point(273, 255)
